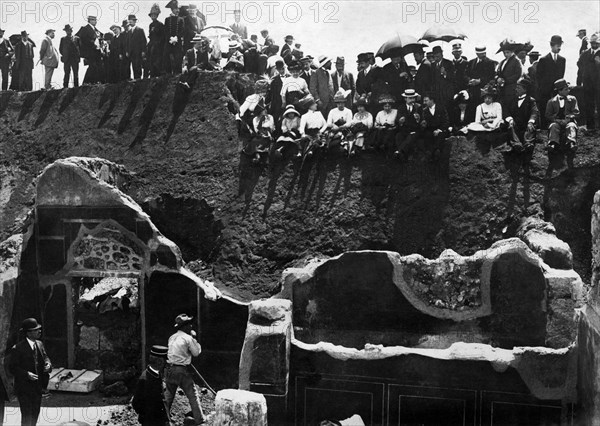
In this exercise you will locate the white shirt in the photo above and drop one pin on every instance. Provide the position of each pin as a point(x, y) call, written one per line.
point(335, 114)
point(493, 111)
point(31, 343)
point(520, 101)
point(182, 347)
point(250, 103)
point(561, 101)
point(312, 120)
point(267, 125)
point(386, 117)
point(432, 110)
point(291, 84)
point(366, 118)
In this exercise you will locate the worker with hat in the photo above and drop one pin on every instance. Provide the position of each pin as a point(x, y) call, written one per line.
point(409, 123)
point(443, 77)
point(183, 346)
point(286, 50)
point(307, 71)
point(70, 56)
point(148, 399)
point(6, 54)
point(562, 113)
point(589, 64)
point(550, 69)
point(174, 33)
point(321, 86)
point(24, 62)
point(30, 365)
point(157, 36)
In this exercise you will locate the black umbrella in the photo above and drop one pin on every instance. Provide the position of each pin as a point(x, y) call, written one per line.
point(399, 45)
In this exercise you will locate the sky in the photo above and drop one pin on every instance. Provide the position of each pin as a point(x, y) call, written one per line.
point(334, 28)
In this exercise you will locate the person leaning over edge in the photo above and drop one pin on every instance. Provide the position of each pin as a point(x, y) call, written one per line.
point(30, 366)
point(148, 400)
point(182, 347)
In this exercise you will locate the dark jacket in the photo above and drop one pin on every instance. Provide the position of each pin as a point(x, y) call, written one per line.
point(286, 53)
point(443, 83)
point(24, 55)
point(87, 42)
point(148, 399)
point(510, 70)
point(548, 72)
point(174, 26)
point(527, 112)
point(553, 108)
point(424, 78)
point(69, 49)
point(197, 59)
point(460, 73)
point(22, 362)
point(6, 50)
point(397, 84)
point(455, 120)
point(437, 121)
point(364, 82)
point(136, 41)
point(411, 124)
point(347, 84)
point(483, 71)
point(590, 69)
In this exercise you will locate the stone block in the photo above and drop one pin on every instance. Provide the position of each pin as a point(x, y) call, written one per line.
point(269, 310)
point(89, 338)
point(240, 408)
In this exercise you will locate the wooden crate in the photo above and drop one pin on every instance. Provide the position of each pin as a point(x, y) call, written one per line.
point(81, 381)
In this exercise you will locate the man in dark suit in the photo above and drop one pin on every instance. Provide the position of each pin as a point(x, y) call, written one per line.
point(479, 72)
point(508, 73)
point(534, 57)
point(589, 64)
point(24, 62)
point(396, 76)
point(307, 71)
point(522, 116)
point(6, 54)
point(137, 46)
point(443, 78)
point(460, 63)
point(435, 124)
point(423, 81)
point(175, 29)
point(31, 367)
point(286, 50)
point(148, 399)
point(409, 125)
point(582, 35)
point(89, 46)
point(194, 22)
point(562, 113)
point(268, 42)
point(365, 79)
point(550, 68)
point(343, 79)
point(156, 43)
point(70, 56)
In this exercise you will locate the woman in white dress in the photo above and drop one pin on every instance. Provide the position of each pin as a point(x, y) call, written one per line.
point(361, 125)
point(386, 123)
point(488, 115)
point(312, 126)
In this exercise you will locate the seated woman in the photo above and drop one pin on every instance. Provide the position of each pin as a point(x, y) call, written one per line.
point(312, 125)
point(461, 114)
point(290, 133)
point(338, 120)
point(294, 87)
point(263, 126)
point(488, 115)
point(246, 114)
point(385, 124)
point(361, 125)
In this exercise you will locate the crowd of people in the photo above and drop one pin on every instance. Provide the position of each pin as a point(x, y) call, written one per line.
point(303, 104)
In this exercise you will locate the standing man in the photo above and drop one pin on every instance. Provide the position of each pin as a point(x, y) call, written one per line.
point(460, 67)
point(550, 69)
point(307, 71)
point(343, 79)
point(156, 34)
point(70, 56)
point(137, 47)
point(48, 58)
point(31, 368)
point(423, 81)
point(237, 27)
point(173, 51)
point(6, 54)
point(321, 86)
point(90, 39)
point(589, 63)
point(396, 77)
point(443, 78)
point(148, 400)
point(532, 72)
point(194, 22)
point(268, 41)
point(24, 62)
point(582, 35)
point(435, 124)
point(182, 347)
point(480, 71)
point(365, 79)
point(286, 50)
point(509, 72)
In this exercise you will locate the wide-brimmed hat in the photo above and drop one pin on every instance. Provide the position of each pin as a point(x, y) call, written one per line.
point(234, 44)
point(24, 33)
point(261, 85)
point(30, 324)
point(307, 101)
point(461, 97)
point(155, 9)
point(182, 319)
point(410, 93)
point(340, 95)
point(387, 99)
point(507, 44)
point(66, 28)
point(340, 60)
point(556, 39)
point(560, 84)
point(323, 59)
point(159, 351)
point(112, 27)
point(290, 110)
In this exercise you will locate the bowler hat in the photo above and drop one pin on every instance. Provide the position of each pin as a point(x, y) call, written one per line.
point(159, 351)
point(363, 57)
point(132, 18)
point(24, 33)
point(182, 319)
point(66, 28)
point(437, 49)
point(289, 38)
point(560, 84)
point(30, 324)
point(556, 39)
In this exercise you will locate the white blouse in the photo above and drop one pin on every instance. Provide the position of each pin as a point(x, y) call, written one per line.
point(366, 118)
point(335, 114)
point(384, 118)
point(312, 120)
point(493, 111)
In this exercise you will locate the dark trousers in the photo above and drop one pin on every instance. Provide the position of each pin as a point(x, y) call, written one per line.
point(4, 67)
point(433, 144)
point(177, 376)
point(94, 73)
point(137, 65)
point(155, 59)
point(405, 143)
point(68, 66)
point(25, 72)
point(591, 101)
point(29, 405)
point(173, 59)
